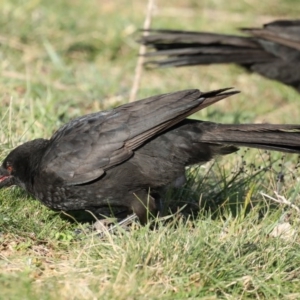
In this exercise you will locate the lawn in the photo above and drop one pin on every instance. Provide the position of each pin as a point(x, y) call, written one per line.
point(62, 59)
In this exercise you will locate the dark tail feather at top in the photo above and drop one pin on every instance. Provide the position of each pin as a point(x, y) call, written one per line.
point(180, 48)
point(272, 51)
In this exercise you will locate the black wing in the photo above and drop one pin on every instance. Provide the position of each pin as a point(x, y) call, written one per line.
point(84, 148)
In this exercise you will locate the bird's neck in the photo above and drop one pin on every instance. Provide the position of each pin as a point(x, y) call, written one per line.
point(32, 164)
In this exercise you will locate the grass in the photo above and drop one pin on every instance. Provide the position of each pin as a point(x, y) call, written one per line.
point(62, 59)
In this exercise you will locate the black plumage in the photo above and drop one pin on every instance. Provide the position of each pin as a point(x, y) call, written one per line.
point(109, 161)
point(272, 51)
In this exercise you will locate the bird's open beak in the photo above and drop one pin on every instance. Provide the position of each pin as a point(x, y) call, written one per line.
point(5, 178)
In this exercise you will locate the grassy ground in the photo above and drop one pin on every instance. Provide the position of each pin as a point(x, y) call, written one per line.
point(61, 59)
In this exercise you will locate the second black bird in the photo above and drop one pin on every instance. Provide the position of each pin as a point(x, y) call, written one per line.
point(272, 51)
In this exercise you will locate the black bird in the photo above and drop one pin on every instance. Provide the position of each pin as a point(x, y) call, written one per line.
point(272, 51)
point(109, 161)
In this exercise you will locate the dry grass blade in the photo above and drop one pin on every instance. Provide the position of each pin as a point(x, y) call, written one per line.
point(142, 51)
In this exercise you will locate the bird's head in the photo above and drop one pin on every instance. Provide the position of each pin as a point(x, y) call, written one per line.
point(18, 166)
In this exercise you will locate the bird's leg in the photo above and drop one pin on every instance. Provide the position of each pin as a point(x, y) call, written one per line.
point(145, 205)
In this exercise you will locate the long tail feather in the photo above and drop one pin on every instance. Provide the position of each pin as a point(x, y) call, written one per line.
point(285, 138)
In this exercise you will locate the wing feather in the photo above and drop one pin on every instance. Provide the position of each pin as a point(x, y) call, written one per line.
point(84, 148)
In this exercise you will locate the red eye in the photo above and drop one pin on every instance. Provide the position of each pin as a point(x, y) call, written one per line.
point(9, 168)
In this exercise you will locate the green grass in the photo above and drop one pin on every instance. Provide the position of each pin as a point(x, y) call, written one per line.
point(62, 59)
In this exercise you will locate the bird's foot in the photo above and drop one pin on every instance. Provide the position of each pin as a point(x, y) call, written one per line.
point(109, 225)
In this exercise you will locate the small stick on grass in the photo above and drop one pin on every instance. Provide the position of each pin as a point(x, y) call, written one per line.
point(282, 200)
